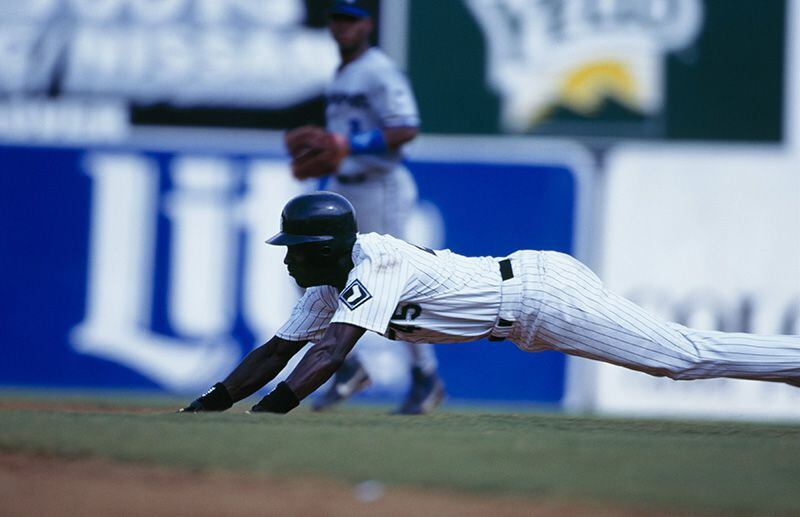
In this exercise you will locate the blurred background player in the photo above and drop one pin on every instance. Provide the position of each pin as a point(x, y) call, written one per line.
point(371, 105)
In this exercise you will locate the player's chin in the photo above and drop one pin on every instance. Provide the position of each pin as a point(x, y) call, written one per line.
point(304, 285)
point(349, 44)
point(302, 281)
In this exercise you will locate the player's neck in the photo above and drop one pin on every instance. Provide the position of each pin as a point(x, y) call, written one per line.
point(340, 279)
point(350, 55)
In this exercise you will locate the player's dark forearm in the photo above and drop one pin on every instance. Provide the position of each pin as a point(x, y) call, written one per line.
point(259, 367)
point(322, 360)
point(316, 367)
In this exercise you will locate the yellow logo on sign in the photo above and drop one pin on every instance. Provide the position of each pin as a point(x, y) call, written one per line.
point(585, 89)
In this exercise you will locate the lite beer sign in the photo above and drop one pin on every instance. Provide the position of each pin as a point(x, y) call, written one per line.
point(212, 205)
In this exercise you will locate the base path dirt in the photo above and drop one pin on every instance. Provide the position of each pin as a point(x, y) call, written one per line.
point(33, 485)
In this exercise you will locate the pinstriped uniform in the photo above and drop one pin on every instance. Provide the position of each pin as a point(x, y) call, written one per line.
point(458, 297)
point(564, 306)
point(552, 302)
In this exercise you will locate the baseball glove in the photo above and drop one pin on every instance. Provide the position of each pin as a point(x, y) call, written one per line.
point(315, 152)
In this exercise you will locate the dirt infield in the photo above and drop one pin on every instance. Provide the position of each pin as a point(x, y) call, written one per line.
point(41, 486)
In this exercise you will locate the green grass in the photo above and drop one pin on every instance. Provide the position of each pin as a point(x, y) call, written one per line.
point(729, 468)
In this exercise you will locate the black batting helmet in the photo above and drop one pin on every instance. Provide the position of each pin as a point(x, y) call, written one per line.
point(317, 217)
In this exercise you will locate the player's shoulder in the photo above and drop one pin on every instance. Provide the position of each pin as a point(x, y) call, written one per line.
point(377, 63)
point(371, 244)
point(378, 249)
point(378, 57)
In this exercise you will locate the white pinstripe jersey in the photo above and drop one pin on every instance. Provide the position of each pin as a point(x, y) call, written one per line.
point(405, 293)
point(366, 94)
point(551, 301)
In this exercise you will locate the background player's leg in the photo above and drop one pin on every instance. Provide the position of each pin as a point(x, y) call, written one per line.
point(423, 357)
point(427, 389)
point(350, 379)
point(577, 315)
point(383, 204)
point(376, 207)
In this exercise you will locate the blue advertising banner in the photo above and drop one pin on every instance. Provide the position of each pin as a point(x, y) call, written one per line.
point(143, 266)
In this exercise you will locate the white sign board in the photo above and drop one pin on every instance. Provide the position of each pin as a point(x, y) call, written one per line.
point(708, 236)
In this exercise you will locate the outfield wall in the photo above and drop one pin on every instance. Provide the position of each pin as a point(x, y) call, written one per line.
point(143, 264)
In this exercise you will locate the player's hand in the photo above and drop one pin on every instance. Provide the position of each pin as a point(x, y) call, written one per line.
point(215, 399)
point(281, 400)
point(315, 152)
point(195, 407)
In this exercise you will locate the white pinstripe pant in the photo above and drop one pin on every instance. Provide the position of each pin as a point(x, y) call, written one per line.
point(564, 306)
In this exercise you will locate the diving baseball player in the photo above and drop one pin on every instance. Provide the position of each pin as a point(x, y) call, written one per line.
point(370, 113)
point(539, 300)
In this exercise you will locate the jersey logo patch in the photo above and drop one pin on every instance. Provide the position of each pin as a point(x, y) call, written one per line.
point(355, 295)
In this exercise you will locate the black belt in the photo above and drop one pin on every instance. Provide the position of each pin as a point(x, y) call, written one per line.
point(352, 179)
point(507, 273)
point(505, 269)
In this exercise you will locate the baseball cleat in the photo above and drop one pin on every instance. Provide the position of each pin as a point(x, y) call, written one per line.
point(427, 392)
point(350, 379)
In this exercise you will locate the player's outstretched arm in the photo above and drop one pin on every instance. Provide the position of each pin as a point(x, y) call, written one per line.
point(317, 366)
point(258, 368)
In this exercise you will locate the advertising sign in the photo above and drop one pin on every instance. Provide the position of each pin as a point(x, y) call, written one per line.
point(144, 265)
point(242, 63)
point(582, 54)
point(705, 237)
point(601, 69)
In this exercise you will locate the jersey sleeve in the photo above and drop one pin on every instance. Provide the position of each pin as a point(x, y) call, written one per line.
point(393, 100)
point(373, 290)
point(310, 316)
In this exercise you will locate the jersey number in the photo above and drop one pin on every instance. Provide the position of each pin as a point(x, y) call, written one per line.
point(408, 312)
